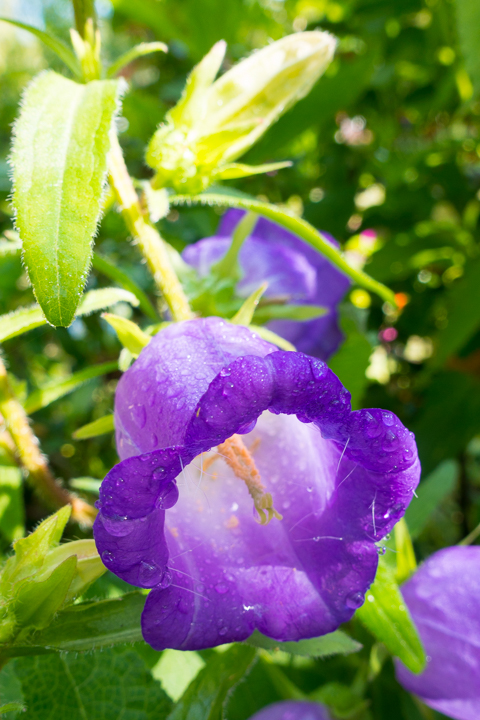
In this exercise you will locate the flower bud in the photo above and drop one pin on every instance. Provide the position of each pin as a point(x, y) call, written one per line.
point(216, 122)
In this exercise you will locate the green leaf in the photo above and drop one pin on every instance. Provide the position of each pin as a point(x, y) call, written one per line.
point(10, 692)
point(405, 554)
point(300, 313)
point(207, 693)
point(351, 360)
point(272, 337)
point(129, 334)
point(463, 308)
point(12, 514)
point(55, 390)
point(28, 318)
point(176, 669)
point(138, 51)
point(103, 425)
point(431, 491)
point(334, 643)
point(387, 617)
point(296, 225)
point(227, 266)
point(107, 268)
point(468, 22)
point(35, 601)
point(113, 684)
point(245, 314)
point(58, 47)
point(59, 160)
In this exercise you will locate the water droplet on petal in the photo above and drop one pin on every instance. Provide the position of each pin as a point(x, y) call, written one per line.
point(354, 600)
point(221, 588)
point(108, 557)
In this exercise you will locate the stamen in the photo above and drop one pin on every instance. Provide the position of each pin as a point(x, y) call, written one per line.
point(243, 465)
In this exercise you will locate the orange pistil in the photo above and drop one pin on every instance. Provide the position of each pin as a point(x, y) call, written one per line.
point(236, 455)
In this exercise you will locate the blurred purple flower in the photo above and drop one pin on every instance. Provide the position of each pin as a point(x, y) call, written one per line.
point(341, 480)
point(294, 271)
point(292, 710)
point(444, 599)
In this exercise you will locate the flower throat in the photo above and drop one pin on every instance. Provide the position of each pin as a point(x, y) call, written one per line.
point(240, 460)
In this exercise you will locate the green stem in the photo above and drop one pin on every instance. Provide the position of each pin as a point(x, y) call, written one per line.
point(153, 247)
point(296, 225)
point(471, 537)
point(31, 458)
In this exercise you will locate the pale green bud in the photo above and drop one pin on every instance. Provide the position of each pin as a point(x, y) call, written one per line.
point(42, 577)
point(216, 122)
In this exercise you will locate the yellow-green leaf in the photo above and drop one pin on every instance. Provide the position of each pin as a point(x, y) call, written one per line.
point(129, 334)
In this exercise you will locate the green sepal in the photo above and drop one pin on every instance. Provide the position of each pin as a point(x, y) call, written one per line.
point(405, 554)
point(36, 601)
point(129, 334)
point(232, 171)
point(245, 314)
point(138, 51)
point(273, 338)
point(101, 426)
point(30, 552)
point(386, 615)
point(89, 566)
point(300, 313)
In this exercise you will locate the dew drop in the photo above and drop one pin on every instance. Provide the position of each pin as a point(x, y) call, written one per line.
point(222, 631)
point(139, 416)
point(354, 600)
point(221, 588)
point(381, 550)
point(108, 557)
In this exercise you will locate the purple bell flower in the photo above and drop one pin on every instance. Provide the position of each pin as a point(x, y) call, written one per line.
point(293, 270)
point(444, 599)
point(292, 710)
point(274, 528)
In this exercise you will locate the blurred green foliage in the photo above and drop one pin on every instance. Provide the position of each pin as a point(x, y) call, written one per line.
point(387, 141)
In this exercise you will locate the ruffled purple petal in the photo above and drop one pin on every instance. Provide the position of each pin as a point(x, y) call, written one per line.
point(292, 710)
point(341, 479)
point(293, 270)
point(444, 599)
point(154, 408)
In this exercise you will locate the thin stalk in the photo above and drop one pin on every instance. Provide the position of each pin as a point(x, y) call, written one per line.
point(31, 459)
point(471, 537)
point(152, 246)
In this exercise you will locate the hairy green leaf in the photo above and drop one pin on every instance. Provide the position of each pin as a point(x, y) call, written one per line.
point(59, 160)
point(28, 318)
point(101, 426)
point(296, 225)
point(58, 47)
point(110, 685)
point(385, 614)
point(207, 693)
point(10, 692)
point(334, 643)
point(53, 391)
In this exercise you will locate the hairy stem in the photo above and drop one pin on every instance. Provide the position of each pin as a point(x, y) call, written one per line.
point(153, 247)
point(30, 457)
